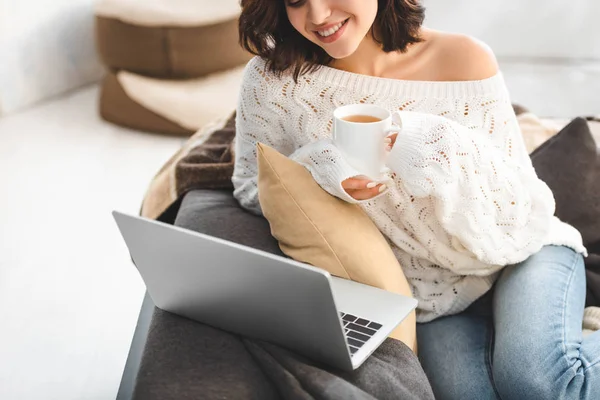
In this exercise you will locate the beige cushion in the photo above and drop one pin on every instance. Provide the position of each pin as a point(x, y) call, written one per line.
point(169, 38)
point(318, 229)
point(178, 107)
point(162, 13)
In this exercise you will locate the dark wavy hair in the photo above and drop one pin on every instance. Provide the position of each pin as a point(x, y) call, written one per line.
point(266, 31)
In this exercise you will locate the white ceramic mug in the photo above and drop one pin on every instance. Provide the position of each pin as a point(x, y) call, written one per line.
point(362, 143)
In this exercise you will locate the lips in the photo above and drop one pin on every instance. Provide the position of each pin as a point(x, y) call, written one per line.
point(331, 29)
point(332, 32)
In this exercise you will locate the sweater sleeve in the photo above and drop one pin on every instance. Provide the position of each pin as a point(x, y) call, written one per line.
point(483, 188)
point(261, 120)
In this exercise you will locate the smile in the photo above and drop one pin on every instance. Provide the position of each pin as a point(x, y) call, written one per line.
point(333, 33)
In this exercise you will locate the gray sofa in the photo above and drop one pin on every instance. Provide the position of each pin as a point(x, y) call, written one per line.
point(175, 358)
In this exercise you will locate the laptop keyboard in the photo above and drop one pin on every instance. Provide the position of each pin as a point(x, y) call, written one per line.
point(358, 331)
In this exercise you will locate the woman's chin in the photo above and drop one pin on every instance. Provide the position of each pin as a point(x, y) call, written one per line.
point(340, 52)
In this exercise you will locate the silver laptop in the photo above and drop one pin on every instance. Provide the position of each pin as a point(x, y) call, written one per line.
point(260, 295)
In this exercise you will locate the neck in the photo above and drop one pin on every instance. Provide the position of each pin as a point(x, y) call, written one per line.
point(370, 59)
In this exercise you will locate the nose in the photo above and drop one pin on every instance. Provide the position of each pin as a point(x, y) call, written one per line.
point(318, 11)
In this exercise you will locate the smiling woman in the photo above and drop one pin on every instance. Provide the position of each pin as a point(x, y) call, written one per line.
point(292, 36)
point(499, 279)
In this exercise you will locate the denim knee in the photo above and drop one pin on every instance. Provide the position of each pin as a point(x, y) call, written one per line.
point(549, 380)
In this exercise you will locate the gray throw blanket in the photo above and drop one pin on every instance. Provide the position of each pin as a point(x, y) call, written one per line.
point(187, 360)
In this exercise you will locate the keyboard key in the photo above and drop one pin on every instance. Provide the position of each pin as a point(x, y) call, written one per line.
point(362, 322)
point(355, 343)
point(353, 349)
point(358, 336)
point(349, 318)
point(374, 325)
point(362, 329)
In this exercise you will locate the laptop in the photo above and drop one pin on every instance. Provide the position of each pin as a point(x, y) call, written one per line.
point(260, 295)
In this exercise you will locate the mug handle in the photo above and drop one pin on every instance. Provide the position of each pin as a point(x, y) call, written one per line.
point(396, 128)
point(393, 129)
point(397, 119)
point(396, 124)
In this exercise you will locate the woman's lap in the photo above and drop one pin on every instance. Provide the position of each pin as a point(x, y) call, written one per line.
point(538, 351)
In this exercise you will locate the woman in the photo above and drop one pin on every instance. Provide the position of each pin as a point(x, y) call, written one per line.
point(463, 210)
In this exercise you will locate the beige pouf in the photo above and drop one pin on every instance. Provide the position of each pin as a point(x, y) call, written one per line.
point(167, 106)
point(169, 38)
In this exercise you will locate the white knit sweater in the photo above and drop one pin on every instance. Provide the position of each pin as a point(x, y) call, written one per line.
point(464, 201)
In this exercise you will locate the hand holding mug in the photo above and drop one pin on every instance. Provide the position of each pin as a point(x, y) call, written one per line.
point(360, 133)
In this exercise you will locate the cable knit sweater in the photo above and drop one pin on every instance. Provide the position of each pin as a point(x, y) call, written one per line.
point(463, 201)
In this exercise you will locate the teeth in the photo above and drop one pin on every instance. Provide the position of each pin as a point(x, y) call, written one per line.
point(331, 31)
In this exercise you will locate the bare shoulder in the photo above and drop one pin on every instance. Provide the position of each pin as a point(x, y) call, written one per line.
point(462, 57)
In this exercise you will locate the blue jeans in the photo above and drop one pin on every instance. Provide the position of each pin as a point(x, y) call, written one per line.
point(523, 340)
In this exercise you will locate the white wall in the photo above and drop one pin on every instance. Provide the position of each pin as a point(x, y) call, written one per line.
point(46, 48)
point(524, 28)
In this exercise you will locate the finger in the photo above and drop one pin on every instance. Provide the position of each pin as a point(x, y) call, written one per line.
point(356, 184)
point(391, 139)
point(366, 194)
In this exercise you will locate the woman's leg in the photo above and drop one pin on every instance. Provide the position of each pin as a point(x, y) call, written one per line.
point(455, 353)
point(539, 350)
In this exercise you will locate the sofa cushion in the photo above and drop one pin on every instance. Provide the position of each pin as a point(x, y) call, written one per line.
point(569, 163)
